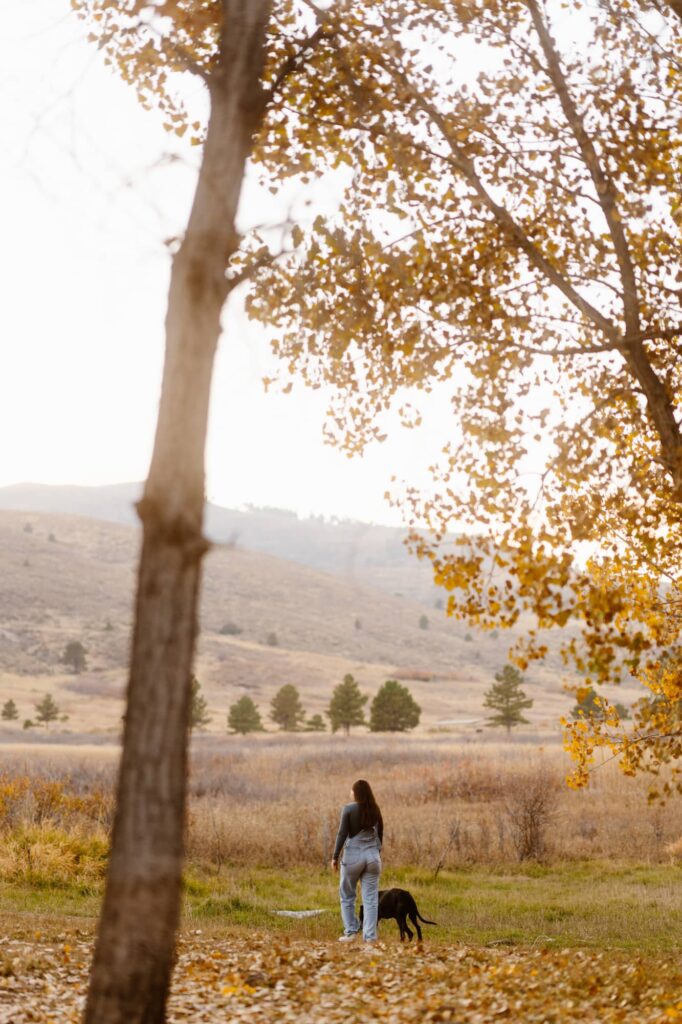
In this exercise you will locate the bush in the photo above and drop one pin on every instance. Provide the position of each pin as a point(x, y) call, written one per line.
point(530, 806)
point(315, 723)
point(230, 629)
point(271, 640)
point(74, 656)
point(424, 622)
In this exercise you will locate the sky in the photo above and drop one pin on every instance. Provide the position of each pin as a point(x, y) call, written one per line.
point(91, 187)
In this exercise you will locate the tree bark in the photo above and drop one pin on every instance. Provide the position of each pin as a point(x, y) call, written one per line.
point(135, 946)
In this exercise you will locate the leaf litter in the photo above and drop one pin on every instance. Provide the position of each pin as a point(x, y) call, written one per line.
point(259, 979)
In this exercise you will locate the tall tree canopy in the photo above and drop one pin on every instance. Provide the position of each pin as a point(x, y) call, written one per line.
point(510, 231)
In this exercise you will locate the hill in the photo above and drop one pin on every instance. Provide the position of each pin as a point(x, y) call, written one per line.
point(265, 621)
point(370, 554)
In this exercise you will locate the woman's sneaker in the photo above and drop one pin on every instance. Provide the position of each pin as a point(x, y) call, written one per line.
point(348, 938)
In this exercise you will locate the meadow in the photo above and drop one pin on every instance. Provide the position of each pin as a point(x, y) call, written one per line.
point(513, 865)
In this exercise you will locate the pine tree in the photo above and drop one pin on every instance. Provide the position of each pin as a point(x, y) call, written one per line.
point(74, 656)
point(286, 709)
point(394, 709)
point(507, 699)
point(47, 710)
point(588, 706)
point(199, 711)
point(315, 723)
point(9, 711)
point(345, 707)
point(244, 717)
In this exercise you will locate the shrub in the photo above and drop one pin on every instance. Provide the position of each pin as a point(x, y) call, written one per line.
point(315, 723)
point(75, 656)
point(530, 806)
point(423, 622)
point(271, 640)
point(230, 629)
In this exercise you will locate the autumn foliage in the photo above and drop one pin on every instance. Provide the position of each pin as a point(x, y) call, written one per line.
point(509, 236)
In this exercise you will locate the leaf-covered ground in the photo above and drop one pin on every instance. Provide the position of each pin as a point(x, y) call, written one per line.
point(266, 979)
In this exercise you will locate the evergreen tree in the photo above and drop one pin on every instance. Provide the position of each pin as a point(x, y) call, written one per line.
point(198, 715)
point(394, 709)
point(345, 707)
point(244, 717)
point(315, 723)
point(507, 699)
point(286, 709)
point(74, 656)
point(587, 706)
point(47, 710)
point(9, 711)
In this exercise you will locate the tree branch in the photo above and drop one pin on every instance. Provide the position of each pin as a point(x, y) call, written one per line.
point(292, 62)
point(602, 184)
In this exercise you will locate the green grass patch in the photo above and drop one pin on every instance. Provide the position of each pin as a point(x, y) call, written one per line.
point(574, 905)
point(598, 905)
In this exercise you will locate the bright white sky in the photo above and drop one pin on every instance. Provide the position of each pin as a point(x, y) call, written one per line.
point(88, 196)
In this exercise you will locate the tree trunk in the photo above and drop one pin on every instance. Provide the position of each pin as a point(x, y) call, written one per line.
point(135, 946)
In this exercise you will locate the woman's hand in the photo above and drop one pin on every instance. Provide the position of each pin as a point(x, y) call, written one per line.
point(335, 865)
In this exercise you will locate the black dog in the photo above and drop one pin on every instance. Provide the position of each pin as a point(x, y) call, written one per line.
point(400, 904)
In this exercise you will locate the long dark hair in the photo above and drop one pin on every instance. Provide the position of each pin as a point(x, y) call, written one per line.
point(369, 808)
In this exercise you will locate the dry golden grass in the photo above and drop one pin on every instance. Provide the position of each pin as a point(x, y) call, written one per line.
point(275, 801)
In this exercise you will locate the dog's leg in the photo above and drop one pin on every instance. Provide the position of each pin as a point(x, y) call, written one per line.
point(413, 919)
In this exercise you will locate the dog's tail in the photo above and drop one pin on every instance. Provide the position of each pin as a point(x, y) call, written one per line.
point(425, 920)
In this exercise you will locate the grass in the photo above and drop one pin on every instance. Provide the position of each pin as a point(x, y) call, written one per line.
point(576, 905)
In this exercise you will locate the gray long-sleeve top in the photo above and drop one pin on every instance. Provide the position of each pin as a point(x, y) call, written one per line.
point(349, 826)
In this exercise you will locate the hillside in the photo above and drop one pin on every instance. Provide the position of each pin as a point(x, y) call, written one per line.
point(68, 577)
point(370, 554)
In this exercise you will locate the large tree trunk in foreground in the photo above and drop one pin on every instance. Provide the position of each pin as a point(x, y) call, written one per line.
point(135, 946)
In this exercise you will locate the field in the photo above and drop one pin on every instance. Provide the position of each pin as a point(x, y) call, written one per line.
point(586, 925)
point(551, 905)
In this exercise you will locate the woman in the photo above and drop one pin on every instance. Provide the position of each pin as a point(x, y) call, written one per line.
point(360, 835)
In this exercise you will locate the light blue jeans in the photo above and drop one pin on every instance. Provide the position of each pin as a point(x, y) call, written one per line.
point(361, 862)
